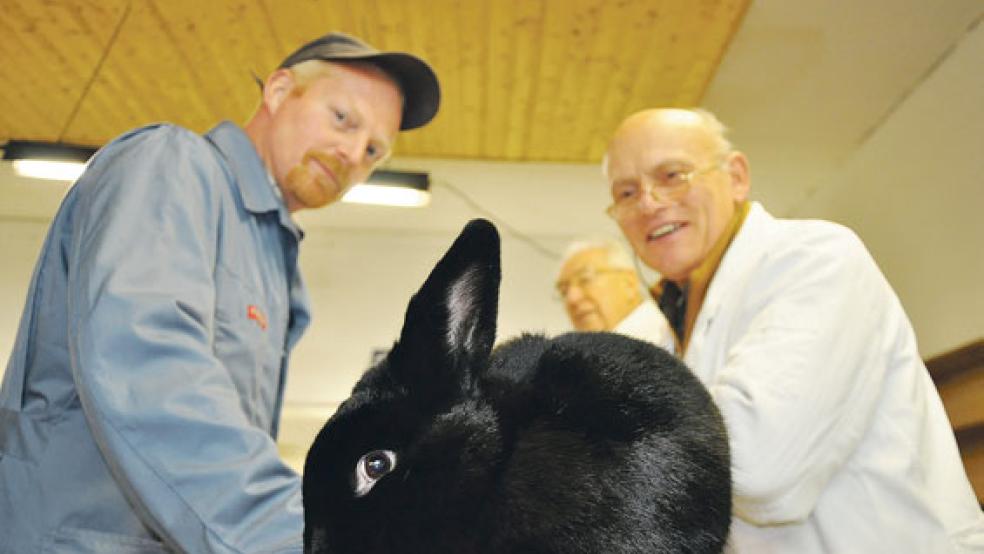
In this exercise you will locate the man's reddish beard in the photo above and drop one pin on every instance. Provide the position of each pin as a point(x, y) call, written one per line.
point(311, 187)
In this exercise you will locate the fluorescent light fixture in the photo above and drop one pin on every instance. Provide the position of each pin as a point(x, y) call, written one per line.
point(385, 187)
point(47, 169)
point(65, 162)
point(46, 160)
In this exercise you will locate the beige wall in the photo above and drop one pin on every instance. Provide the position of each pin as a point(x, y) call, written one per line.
point(914, 192)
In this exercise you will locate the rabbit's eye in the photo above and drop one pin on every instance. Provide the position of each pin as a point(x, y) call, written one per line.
point(372, 467)
point(377, 464)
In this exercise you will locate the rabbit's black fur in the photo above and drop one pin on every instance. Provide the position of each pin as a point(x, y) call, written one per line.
point(587, 442)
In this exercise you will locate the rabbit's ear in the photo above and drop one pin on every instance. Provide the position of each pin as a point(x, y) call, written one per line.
point(450, 324)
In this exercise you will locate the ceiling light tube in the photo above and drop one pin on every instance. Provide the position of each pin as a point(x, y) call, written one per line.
point(392, 188)
point(46, 160)
point(48, 169)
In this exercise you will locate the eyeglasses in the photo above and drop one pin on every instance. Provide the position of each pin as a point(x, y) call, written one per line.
point(582, 279)
point(669, 183)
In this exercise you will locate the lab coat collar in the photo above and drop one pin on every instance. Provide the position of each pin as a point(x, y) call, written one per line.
point(745, 251)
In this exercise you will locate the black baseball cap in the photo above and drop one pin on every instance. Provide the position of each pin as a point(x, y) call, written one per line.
point(416, 79)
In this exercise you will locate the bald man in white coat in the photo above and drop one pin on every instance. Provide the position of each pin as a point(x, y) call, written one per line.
point(838, 437)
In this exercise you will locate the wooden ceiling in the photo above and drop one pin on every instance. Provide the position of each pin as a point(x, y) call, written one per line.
point(543, 80)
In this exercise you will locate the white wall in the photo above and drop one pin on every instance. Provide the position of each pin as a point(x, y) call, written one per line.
point(914, 192)
point(360, 283)
point(20, 242)
point(363, 263)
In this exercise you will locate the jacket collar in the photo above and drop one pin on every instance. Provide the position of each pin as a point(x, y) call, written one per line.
point(745, 251)
point(253, 180)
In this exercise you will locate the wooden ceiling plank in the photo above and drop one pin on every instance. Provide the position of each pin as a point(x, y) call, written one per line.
point(178, 24)
point(77, 47)
point(527, 57)
point(266, 62)
point(28, 117)
point(472, 40)
point(406, 26)
point(116, 102)
point(637, 35)
point(659, 66)
point(53, 58)
point(692, 32)
point(556, 42)
point(6, 125)
point(132, 74)
point(729, 16)
point(570, 82)
point(218, 54)
point(439, 43)
point(543, 80)
point(521, 88)
point(381, 24)
point(500, 58)
point(458, 142)
point(258, 52)
point(242, 46)
point(146, 77)
point(599, 29)
point(368, 25)
point(299, 21)
point(698, 34)
point(388, 35)
point(99, 127)
point(340, 17)
point(285, 25)
point(619, 35)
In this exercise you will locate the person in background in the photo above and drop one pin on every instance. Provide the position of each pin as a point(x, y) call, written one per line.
point(140, 404)
point(839, 441)
point(601, 291)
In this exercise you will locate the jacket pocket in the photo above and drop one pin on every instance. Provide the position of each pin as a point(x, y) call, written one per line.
point(244, 336)
point(21, 436)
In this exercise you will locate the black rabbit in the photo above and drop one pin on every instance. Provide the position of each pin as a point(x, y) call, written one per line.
point(587, 442)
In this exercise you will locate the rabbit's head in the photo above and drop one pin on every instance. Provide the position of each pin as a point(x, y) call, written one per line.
point(392, 466)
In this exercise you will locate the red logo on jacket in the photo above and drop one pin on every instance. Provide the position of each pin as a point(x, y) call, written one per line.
point(256, 315)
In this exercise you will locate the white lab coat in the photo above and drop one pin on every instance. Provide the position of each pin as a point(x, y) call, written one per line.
point(646, 323)
point(839, 441)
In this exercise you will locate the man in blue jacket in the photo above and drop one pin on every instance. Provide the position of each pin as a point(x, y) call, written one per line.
point(141, 401)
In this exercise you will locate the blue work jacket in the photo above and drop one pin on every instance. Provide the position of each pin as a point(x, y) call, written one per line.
point(140, 404)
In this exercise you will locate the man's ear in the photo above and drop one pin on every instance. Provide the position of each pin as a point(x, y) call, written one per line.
point(277, 88)
point(737, 168)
